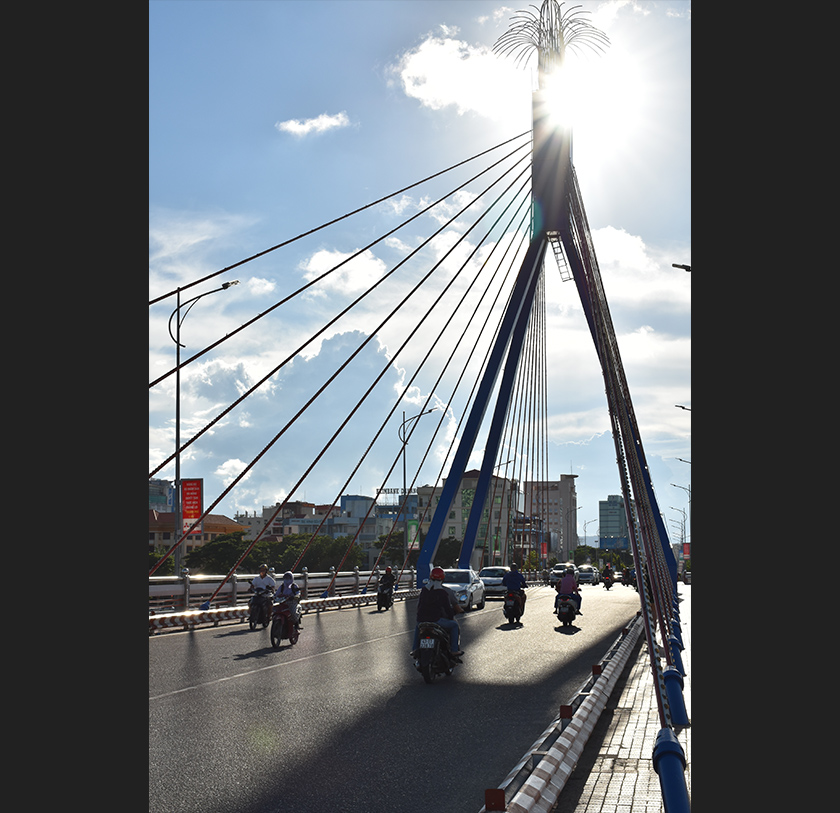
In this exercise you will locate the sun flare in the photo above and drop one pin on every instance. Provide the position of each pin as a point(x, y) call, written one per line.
point(601, 99)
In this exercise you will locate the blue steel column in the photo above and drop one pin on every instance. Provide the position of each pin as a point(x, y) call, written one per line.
point(494, 437)
point(517, 312)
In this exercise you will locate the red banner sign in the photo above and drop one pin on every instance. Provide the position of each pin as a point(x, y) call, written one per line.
point(192, 502)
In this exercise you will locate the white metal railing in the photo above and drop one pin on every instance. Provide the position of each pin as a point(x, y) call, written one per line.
point(181, 593)
point(176, 601)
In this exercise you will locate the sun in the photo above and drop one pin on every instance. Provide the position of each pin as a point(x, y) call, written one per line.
point(602, 99)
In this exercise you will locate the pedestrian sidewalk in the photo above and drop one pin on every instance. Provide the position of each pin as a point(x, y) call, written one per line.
point(615, 773)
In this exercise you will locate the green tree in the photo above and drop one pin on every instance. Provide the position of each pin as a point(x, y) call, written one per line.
point(167, 568)
point(220, 555)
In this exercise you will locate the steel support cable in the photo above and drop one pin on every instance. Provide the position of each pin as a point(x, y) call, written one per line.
point(604, 337)
point(511, 426)
point(537, 487)
point(318, 279)
point(336, 220)
point(239, 477)
point(520, 419)
point(412, 379)
point(533, 396)
point(393, 409)
point(471, 395)
point(630, 432)
point(402, 507)
point(513, 418)
point(428, 354)
point(298, 350)
point(526, 421)
point(294, 353)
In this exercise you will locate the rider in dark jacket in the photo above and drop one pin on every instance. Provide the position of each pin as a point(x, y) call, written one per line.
point(438, 604)
point(514, 581)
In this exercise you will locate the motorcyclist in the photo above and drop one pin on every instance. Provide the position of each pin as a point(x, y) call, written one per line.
point(438, 604)
point(568, 586)
point(262, 581)
point(289, 591)
point(607, 572)
point(387, 579)
point(515, 582)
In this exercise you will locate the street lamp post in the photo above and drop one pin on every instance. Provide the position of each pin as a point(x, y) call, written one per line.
point(688, 491)
point(179, 525)
point(404, 440)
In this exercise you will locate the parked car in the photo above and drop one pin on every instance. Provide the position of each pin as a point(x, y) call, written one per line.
point(558, 571)
point(468, 588)
point(492, 578)
point(588, 575)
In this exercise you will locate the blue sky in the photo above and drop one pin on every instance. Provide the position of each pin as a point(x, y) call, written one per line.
point(267, 119)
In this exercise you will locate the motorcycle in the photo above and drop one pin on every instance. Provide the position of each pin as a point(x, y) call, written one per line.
point(283, 625)
point(512, 607)
point(384, 598)
point(433, 656)
point(608, 582)
point(260, 608)
point(566, 610)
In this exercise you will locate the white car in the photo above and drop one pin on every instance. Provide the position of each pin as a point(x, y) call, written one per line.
point(492, 578)
point(468, 588)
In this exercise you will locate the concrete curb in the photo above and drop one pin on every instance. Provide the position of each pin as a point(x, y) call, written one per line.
point(540, 791)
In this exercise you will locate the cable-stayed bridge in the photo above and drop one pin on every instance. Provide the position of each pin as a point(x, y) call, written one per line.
point(461, 314)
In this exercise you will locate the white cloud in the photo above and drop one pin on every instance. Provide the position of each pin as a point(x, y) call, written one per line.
point(319, 124)
point(231, 469)
point(353, 277)
point(443, 71)
point(260, 287)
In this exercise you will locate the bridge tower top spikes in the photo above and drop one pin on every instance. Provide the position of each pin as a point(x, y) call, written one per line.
point(550, 32)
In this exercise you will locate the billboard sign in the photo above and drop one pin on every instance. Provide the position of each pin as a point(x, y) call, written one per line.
point(192, 504)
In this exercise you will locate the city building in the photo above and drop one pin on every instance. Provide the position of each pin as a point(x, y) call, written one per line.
point(162, 530)
point(612, 523)
point(494, 541)
point(554, 504)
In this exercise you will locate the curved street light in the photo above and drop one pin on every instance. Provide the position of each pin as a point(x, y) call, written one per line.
point(404, 440)
point(179, 529)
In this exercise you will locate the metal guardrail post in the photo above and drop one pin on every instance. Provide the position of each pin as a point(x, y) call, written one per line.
point(185, 575)
point(304, 591)
point(356, 579)
point(233, 589)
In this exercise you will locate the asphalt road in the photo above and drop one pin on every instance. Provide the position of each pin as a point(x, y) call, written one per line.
point(342, 722)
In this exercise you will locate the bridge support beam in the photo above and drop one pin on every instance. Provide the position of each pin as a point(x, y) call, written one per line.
point(507, 349)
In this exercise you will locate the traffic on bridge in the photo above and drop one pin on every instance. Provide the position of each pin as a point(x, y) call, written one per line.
point(343, 721)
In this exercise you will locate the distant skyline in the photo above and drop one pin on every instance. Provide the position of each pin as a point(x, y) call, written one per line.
point(267, 119)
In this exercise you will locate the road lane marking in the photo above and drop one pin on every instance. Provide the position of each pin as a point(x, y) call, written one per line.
point(288, 663)
point(276, 665)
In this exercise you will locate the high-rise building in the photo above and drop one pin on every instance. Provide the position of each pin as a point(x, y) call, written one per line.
point(554, 503)
point(612, 523)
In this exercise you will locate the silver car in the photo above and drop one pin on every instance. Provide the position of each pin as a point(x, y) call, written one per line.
point(588, 575)
point(492, 578)
point(468, 588)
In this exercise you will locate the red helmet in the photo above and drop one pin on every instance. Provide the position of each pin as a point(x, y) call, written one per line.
point(436, 574)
